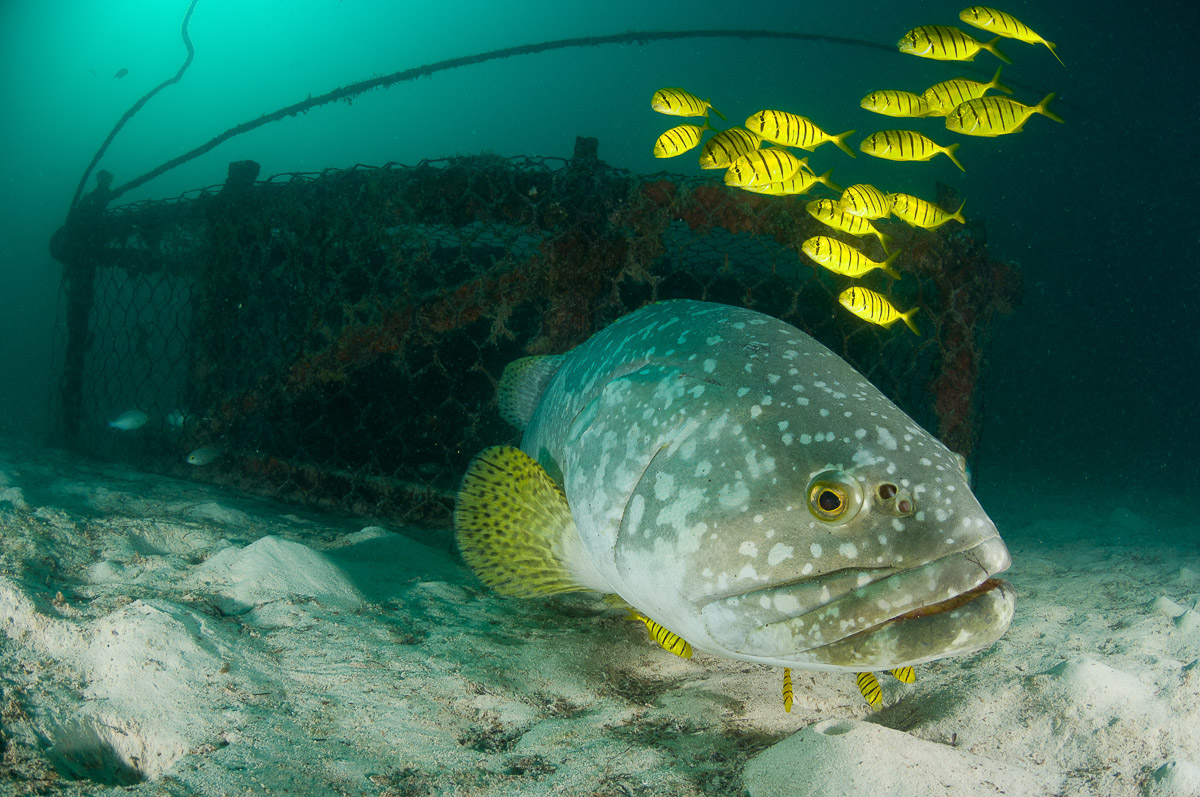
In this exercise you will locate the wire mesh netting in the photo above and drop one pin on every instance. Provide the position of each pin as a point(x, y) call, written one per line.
point(337, 338)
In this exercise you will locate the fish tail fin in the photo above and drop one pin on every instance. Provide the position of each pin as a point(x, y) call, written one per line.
point(827, 180)
point(906, 317)
point(884, 238)
point(1043, 108)
point(522, 385)
point(993, 47)
point(714, 110)
point(840, 141)
point(1053, 50)
point(996, 84)
point(886, 266)
point(513, 525)
point(957, 215)
point(950, 154)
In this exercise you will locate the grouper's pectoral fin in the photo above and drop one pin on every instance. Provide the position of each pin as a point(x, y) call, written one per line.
point(513, 525)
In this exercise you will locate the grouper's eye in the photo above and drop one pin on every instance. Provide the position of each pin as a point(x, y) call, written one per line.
point(834, 497)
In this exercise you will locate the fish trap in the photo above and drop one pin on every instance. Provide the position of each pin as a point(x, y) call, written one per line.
point(337, 338)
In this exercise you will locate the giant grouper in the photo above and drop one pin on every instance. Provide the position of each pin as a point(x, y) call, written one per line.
point(744, 490)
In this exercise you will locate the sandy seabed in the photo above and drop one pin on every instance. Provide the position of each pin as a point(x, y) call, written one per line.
point(163, 637)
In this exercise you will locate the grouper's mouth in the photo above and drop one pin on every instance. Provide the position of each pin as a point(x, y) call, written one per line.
point(950, 606)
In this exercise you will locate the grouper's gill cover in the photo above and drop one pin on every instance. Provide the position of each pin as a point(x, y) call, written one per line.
point(741, 485)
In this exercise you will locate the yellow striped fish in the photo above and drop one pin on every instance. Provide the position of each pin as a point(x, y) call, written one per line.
point(841, 258)
point(827, 211)
point(944, 97)
point(890, 102)
point(868, 686)
point(905, 145)
point(996, 116)
point(799, 183)
point(919, 213)
point(943, 43)
point(1005, 25)
point(904, 675)
point(668, 641)
point(790, 130)
point(871, 306)
point(679, 140)
point(677, 102)
point(762, 166)
point(866, 201)
point(720, 151)
point(787, 690)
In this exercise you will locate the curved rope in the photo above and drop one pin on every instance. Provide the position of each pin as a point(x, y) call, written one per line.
point(137, 106)
point(354, 89)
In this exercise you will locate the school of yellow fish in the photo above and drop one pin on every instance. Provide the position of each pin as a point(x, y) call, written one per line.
point(965, 105)
point(968, 109)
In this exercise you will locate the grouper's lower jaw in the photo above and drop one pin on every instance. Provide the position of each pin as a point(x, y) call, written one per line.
point(959, 626)
point(948, 607)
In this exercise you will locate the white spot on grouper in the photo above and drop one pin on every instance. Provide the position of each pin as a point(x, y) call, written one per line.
point(733, 495)
point(713, 340)
point(787, 604)
point(787, 439)
point(885, 438)
point(664, 486)
point(779, 553)
point(815, 550)
point(757, 469)
point(848, 550)
point(703, 468)
point(755, 411)
point(863, 457)
point(748, 548)
point(859, 434)
point(742, 391)
point(636, 508)
point(710, 365)
point(783, 425)
point(805, 439)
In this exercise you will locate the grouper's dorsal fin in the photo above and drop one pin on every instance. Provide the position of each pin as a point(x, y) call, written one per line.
point(513, 525)
point(522, 385)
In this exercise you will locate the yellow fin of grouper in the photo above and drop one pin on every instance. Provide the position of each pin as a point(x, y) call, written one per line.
point(868, 685)
point(513, 525)
point(787, 690)
point(521, 387)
